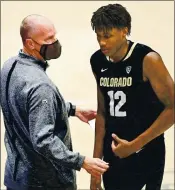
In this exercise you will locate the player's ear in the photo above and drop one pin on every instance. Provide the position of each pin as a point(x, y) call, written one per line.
point(125, 31)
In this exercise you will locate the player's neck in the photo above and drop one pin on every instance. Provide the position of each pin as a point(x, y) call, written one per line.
point(121, 52)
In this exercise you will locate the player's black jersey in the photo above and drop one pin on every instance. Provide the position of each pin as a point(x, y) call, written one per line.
point(131, 105)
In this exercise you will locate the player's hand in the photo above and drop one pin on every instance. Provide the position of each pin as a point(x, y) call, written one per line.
point(85, 115)
point(95, 166)
point(95, 184)
point(121, 147)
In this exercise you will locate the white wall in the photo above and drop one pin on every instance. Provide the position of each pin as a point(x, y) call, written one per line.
point(152, 24)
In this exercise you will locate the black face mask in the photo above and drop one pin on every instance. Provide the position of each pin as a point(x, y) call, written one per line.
point(50, 51)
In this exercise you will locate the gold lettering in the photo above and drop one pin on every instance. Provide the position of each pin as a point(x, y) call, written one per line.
point(124, 81)
point(120, 82)
point(112, 82)
point(101, 81)
point(129, 81)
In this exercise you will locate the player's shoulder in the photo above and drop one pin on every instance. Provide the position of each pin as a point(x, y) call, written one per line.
point(148, 50)
point(96, 57)
point(143, 47)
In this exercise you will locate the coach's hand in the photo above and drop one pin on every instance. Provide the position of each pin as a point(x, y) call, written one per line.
point(121, 147)
point(95, 166)
point(95, 184)
point(85, 115)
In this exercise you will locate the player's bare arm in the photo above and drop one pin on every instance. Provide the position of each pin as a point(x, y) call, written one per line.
point(155, 71)
point(157, 74)
point(99, 136)
point(99, 125)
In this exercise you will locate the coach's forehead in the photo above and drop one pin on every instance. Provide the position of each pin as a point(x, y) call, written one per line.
point(39, 24)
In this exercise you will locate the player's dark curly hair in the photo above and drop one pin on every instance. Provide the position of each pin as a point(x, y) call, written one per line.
point(111, 16)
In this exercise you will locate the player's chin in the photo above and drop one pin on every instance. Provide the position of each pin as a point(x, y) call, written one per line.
point(106, 52)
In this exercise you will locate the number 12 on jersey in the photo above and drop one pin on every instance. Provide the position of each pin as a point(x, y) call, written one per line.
point(115, 110)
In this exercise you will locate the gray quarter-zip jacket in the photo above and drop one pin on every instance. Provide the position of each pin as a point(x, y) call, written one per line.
point(37, 135)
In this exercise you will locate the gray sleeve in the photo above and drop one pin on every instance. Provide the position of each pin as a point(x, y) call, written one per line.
point(68, 107)
point(42, 116)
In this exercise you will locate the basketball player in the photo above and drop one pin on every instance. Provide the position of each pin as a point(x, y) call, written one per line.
point(135, 105)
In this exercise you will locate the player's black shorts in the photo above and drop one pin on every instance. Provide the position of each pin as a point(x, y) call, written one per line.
point(132, 173)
